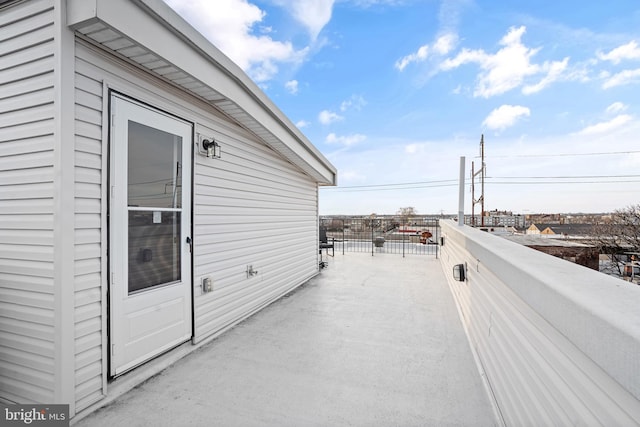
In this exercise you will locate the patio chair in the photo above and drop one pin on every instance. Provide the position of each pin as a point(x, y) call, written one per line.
point(324, 242)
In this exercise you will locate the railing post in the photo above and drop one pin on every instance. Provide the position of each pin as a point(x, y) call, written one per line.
point(404, 227)
point(372, 245)
point(437, 230)
point(343, 236)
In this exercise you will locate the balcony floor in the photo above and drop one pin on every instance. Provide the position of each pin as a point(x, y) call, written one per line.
point(371, 341)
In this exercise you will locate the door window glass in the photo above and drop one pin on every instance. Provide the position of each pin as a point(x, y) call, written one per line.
point(154, 199)
point(155, 175)
point(154, 249)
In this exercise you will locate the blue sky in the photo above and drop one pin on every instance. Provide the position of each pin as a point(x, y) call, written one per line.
point(393, 92)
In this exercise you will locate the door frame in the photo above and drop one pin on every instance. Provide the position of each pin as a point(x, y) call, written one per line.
point(112, 257)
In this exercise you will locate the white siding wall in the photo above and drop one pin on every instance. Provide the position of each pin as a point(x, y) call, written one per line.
point(554, 339)
point(27, 347)
point(88, 239)
point(251, 208)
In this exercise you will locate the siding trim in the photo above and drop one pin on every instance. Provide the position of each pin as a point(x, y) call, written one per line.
point(64, 226)
point(104, 238)
point(91, 358)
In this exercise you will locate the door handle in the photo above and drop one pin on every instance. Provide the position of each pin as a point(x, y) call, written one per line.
point(189, 242)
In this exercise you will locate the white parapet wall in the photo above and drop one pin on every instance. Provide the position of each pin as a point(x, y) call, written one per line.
point(558, 343)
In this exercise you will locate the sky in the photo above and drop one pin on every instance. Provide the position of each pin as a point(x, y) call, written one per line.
point(394, 92)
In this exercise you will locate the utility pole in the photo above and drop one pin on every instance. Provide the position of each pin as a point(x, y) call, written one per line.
point(480, 200)
point(461, 194)
point(473, 195)
point(484, 169)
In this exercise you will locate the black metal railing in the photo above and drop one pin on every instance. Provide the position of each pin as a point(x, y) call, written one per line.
point(383, 234)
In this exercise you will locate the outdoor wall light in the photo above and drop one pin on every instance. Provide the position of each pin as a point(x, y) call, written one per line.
point(459, 273)
point(213, 148)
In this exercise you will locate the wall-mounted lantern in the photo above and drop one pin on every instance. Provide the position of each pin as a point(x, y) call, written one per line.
point(211, 148)
point(459, 273)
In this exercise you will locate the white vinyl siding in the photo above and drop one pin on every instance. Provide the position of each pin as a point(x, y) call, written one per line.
point(255, 206)
point(538, 344)
point(88, 241)
point(251, 207)
point(27, 347)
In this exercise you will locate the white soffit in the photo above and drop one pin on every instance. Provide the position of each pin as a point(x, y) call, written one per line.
point(150, 34)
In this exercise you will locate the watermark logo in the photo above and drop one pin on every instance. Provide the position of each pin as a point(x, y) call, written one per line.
point(36, 415)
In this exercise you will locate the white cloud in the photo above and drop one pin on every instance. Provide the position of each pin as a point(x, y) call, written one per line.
point(502, 71)
point(445, 43)
point(622, 78)
point(231, 25)
point(505, 116)
point(355, 102)
point(419, 56)
point(616, 107)
point(302, 124)
point(327, 117)
point(627, 51)
point(608, 126)
point(554, 71)
point(312, 14)
point(464, 57)
point(509, 67)
point(263, 71)
point(442, 46)
point(292, 86)
point(347, 140)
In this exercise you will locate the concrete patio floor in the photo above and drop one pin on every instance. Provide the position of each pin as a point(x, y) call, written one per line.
point(371, 341)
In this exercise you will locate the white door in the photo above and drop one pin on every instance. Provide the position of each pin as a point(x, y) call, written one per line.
point(150, 233)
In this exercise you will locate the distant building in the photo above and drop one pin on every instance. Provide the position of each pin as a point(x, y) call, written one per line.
point(540, 229)
point(499, 230)
point(560, 230)
point(578, 253)
point(497, 219)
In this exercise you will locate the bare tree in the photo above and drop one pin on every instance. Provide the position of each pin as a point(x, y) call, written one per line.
point(336, 224)
point(372, 222)
point(407, 212)
point(618, 235)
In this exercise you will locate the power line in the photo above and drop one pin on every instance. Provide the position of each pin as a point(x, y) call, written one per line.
point(398, 184)
point(362, 190)
point(563, 182)
point(423, 184)
point(564, 177)
point(609, 153)
point(575, 179)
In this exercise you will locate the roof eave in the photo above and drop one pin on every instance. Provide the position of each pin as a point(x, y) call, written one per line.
point(153, 26)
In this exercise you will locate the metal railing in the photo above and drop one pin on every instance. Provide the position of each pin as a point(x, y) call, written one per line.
point(383, 234)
